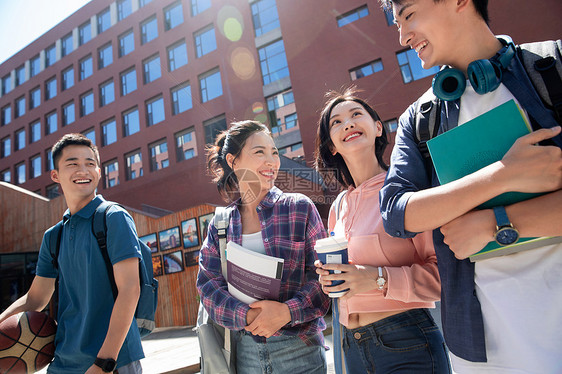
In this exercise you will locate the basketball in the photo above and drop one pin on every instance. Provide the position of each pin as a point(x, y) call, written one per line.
point(26, 342)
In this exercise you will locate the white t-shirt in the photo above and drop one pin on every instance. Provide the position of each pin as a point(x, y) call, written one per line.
point(253, 242)
point(520, 294)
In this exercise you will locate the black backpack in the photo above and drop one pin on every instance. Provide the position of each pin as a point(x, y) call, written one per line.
point(148, 299)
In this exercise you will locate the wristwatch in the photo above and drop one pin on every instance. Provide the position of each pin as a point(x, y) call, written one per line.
point(505, 234)
point(380, 280)
point(106, 364)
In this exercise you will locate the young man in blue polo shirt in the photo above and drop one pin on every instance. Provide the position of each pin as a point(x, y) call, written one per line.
point(502, 314)
point(95, 333)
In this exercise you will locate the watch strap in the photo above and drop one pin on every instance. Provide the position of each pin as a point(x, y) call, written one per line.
point(501, 217)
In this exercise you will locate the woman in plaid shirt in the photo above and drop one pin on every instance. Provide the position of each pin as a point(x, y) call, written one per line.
point(274, 336)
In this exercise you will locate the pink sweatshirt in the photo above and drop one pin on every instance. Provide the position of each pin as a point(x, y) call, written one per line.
point(411, 264)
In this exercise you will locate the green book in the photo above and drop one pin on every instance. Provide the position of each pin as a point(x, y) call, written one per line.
point(479, 143)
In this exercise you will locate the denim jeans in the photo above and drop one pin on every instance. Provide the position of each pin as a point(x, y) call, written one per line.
point(409, 342)
point(279, 355)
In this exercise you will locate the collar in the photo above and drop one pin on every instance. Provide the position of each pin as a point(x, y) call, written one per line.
point(369, 183)
point(268, 201)
point(87, 211)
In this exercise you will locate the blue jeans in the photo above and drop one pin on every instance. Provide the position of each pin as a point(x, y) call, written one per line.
point(279, 355)
point(409, 342)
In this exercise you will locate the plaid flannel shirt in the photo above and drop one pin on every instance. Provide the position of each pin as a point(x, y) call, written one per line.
point(290, 227)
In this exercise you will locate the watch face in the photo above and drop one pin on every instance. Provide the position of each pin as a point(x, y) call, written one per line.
point(507, 236)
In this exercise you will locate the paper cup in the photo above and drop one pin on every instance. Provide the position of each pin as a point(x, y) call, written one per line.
point(333, 250)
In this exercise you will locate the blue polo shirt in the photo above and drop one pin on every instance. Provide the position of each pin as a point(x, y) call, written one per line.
point(85, 296)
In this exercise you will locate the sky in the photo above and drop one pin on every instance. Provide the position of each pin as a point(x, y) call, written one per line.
point(23, 21)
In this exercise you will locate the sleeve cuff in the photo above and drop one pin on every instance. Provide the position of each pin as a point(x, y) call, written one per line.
point(295, 310)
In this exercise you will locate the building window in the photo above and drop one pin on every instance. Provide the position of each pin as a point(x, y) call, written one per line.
point(126, 43)
point(411, 67)
point(109, 132)
point(151, 68)
point(86, 67)
point(134, 165)
point(265, 16)
point(6, 115)
point(107, 93)
point(177, 55)
point(86, 103)
point(205, 41)
point(51, 88)
point(34, 66)
point(128, 82)
point(155, 111)
point(50, 123)
point(124, 9)
point(50, 55)
point(181, 98)
point(186, 146)
point(391, 125)
point(6, 176)
point(366, 70)
point(149, 30)
point(353, 15)
point(67, 78)
point(131, 123)
point(48, 160)
point(34, 98)
point(389, 16)
point(291, 120)
point(110, 174)
point(84, 33)
point(104, 20)
point(105, 56)
point(68, 113)
point(67, 45)
point(34, 132)
point(159, 155)
point(211, 85)
point(6, 84)
point(173, 15)
point(20, 106)
point(6, 147)
point(273, 62)
point(20, 173)
point(144, 2)
point(53, 191)
point(20, 140)
point(20, 75)
point(90, 134)
point(34, 166)
point(213, 127)
point(198, 6)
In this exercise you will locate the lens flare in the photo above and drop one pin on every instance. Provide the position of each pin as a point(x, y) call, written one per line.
point(243, 63)
point(257, 107)
point(230, 22)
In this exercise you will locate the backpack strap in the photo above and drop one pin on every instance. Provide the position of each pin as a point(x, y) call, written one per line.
point(427, 121)
point(99, 229)
point(338, 202)
point(54, 244)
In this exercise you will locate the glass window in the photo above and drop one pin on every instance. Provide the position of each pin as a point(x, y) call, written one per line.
point(389, 16)
point(86, 103)
point(68, 113)
point(181, 98)
point(51, 88)
point(173, 15)
point(159, 155)
point(205, 41)
point(48, 160)
point(213, 127)
point(34, 98)
point(151, 68)
point(126, 43)
point(34, 166)
point(84, 33)
point(86, 67)
point(353, 15)
point(6, 115)
point(149, 30)
point(198, 6)
point(67, 78)
point(6, 176)
point(110, 174)
point(20, 75)
point(128, 82)
point(67, 45)
point(391, 125)
point(6, 84)
point(155, 111)
point(90, 134)
point(124, 9)
point(177, 55)
point(186, 146)
point(290, 120)
point(53, 191)
point(265, 16)
point(34, 66)
point(211, 85)
point(109, 132)
point(411, 67)
point(273, 62)
point(20, 106)
point(105, 56)
point(144, 2)
point(20, 173)
point(6, 147)
point(104, 20)
point(366, 70)
point(131, 123)
point(134, 165)
point(107, 93)
point(34, 132)
point(50, 123)
point(50, 55)
point(20, 140)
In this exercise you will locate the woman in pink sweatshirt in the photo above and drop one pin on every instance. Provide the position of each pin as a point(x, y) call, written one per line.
point(391, 281)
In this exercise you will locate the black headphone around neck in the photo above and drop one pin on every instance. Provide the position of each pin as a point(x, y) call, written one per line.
point(484, 75)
